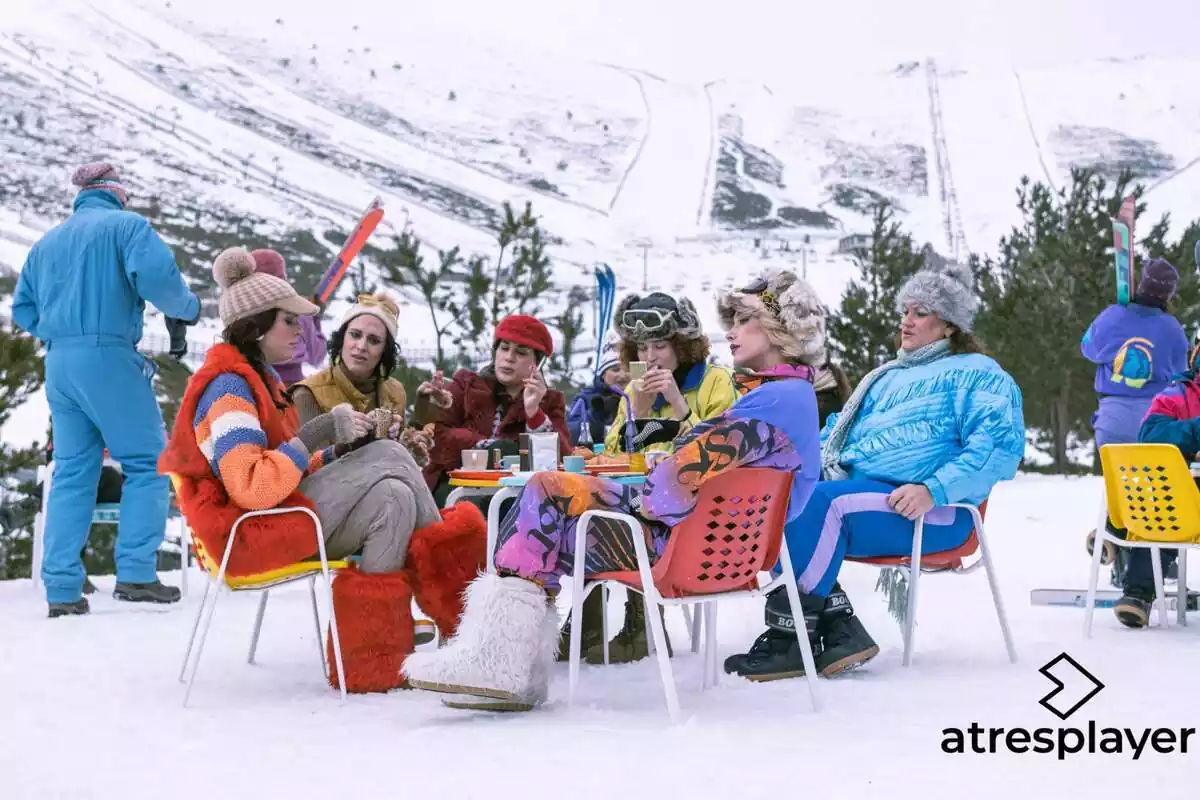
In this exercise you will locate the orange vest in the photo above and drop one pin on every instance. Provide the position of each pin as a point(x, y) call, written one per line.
point(263, 543)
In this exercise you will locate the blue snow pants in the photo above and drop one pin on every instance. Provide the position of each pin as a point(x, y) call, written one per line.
point(852, 518)
point(100, 393)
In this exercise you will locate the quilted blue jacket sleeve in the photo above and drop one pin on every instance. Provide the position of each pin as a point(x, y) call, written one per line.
point(992, 430)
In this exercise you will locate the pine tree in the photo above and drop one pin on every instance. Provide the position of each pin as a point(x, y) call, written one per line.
point(21, 374)
point(1053, 276)
point(863, 332)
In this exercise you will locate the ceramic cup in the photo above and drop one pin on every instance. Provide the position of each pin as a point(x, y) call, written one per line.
point(510, 462)
point(574, 463)
point(475, 459)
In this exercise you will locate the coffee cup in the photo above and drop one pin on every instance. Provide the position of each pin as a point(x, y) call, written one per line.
point(574, 463)
point(475, 460)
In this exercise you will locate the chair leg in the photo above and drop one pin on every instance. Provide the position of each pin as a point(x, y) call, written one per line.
point(694, 625)
point(258, 619)
point(605, 593)
point(191, 681)
point(1094, 576)
point(914, 576)
point(1181, 590)
point(187, 656)
point(710, 642)
point(1159, 586)
point(985, 553)
point(578, 591)
point(806, 653)
point(312, 593)
point(664, 660)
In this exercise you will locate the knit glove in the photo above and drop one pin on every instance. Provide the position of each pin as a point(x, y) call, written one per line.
point(418, 442)
point(317, 432)
point(343, 423)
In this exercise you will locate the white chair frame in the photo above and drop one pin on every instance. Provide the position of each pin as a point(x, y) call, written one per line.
point(707, 603)
point(913, 573)
point(1155, 548)
point(219, 581)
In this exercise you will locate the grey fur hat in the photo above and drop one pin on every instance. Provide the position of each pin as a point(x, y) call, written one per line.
point(947, 290)
point(788, 310)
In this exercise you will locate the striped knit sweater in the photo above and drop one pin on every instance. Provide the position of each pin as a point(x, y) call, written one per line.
point(231, 437)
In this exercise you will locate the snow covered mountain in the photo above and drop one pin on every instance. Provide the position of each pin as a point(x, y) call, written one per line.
point(685, 145)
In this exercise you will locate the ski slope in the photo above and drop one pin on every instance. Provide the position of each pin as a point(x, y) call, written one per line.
point(92, 707)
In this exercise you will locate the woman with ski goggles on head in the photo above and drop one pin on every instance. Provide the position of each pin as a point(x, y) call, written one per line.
point(501, 656)
point(680, 388)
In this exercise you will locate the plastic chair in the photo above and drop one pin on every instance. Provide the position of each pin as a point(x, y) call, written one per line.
point(263, 582)
point(1151, 493)
point(734, 533)
point(945, 561)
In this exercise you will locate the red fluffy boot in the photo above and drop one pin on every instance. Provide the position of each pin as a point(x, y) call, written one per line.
point(442, 559)
point(375, 627)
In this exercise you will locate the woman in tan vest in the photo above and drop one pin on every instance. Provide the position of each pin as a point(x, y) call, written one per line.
point(363, 353)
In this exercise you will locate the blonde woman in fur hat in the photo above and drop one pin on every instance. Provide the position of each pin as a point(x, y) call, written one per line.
point(940, 424)
point(505, 646)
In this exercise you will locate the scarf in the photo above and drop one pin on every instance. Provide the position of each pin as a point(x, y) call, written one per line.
point(831, 451)
point(749, 381)
point(824, 380)
point(356, 397)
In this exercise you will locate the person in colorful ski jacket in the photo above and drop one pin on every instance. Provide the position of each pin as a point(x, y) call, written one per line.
point(83, 291)
point(236, 447)
point(596, 406)
point(680, 390)
point(679, 384)
point(1136, 348)
point(501, 656)
point(493, 407)
point(364, 353)
point(1173, 418)
point(311, 347)
point(941, 424)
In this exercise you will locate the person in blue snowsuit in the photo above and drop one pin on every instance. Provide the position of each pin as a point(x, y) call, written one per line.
point(595, 408)
point(82, 292)
point(1136, 348)
point(941, 424)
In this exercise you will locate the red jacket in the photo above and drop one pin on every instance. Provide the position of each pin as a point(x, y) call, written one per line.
point(263, 543)
point(472, 416)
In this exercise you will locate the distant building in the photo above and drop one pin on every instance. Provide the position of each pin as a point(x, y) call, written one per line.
point(848, 245)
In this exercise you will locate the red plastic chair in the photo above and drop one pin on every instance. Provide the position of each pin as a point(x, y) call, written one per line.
point(717, 552)
point(945, 561)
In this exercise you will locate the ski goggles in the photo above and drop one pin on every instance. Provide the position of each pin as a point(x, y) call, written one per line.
point(646, 322)
point(762, 290)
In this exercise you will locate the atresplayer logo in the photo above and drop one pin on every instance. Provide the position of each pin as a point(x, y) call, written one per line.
point(1065, 741)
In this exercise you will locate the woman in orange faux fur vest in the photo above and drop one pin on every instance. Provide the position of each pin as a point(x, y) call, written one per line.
point(237, 446)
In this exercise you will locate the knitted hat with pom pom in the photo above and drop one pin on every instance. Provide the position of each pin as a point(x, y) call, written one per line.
point(245, 293)
point(381, 305)
point(100, 175)
point(947, 290)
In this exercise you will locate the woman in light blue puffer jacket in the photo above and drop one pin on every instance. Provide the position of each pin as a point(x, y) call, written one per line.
point(941, 424)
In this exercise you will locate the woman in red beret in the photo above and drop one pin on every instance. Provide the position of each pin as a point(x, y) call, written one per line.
point(505, 399)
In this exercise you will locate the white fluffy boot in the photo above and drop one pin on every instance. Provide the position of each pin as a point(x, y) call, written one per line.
point(502, 651)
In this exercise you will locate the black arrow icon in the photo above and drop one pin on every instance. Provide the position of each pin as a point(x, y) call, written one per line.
point(1045, 701)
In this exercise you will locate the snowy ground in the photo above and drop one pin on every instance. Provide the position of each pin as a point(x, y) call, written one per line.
point(91, 706)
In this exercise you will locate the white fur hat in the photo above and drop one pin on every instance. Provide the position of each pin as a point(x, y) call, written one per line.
point(789, 310)
point(947, 290)
point(381, 305)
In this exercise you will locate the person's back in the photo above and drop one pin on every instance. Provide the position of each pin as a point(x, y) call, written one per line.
point(1137, 349)
point(83, 292)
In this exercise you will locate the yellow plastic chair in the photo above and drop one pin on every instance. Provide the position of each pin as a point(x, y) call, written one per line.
point(1151, 493)
point(262, 582)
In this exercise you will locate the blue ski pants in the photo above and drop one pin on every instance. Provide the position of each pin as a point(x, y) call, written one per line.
point(852, 518)
point(100, 393)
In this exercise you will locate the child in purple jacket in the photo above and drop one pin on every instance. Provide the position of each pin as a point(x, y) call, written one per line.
point(1136, 349)
point(311, 349)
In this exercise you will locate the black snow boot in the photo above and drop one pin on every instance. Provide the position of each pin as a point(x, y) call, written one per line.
point(88, 586)
point(592, 634)
point(775, 654)
point(845, 643)
point(76, 609)
point(156, 592)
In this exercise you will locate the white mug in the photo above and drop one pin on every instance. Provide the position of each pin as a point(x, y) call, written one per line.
point(475, 459)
